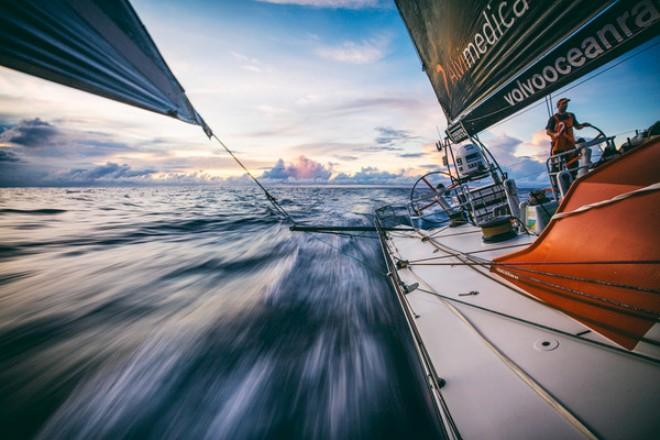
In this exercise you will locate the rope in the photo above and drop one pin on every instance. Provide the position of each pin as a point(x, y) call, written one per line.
point(592, 281)
point(526, 378)
point(617, 306)
point(607, 303)
point(468, 253)
point(268, 195)
point(537, 263)
point(544, 327)
point(584, 208)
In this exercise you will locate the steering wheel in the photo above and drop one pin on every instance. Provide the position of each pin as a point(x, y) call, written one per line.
point(600, 137)
point(426, 196)
point(600, 134)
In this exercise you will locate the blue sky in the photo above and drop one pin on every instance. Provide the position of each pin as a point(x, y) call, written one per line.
point(302, 90)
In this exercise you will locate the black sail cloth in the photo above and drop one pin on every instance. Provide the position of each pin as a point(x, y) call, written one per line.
point(93, 45)
point(488, 59)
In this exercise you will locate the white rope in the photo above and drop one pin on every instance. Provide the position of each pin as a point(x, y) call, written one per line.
point(584, 208)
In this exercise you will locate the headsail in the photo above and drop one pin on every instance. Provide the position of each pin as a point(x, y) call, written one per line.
point(488, 59)
point(98, 46)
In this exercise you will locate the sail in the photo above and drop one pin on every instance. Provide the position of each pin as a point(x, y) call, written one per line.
point(488, 59)
point(97, 46)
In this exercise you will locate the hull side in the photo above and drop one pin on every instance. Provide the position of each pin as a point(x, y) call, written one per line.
point(618, 296)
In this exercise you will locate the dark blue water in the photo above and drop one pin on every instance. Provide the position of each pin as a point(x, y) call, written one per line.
point(194, 313)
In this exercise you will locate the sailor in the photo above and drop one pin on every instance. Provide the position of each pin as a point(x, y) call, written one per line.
point(560, 129)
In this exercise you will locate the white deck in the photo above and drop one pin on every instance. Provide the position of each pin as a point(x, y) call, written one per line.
point(498, 385)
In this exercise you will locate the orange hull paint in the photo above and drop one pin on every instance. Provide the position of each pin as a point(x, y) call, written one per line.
point(627, 230)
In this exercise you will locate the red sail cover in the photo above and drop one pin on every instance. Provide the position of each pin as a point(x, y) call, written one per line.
point(93, 45)
point(488, 59)
point(617, 292)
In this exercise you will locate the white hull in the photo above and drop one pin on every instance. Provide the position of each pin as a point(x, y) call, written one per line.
point(519, 369)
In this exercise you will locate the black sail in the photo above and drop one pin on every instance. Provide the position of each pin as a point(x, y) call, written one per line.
point(488, 59)
point(97, 46)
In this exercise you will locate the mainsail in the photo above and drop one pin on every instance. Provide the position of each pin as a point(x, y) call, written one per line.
point(488, 59)
point(97, 46)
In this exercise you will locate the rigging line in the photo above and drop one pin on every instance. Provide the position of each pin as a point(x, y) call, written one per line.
point(591, 280)
point(543, 327)
point(538, 272)
point(532, 106)
point(615, 306)
point(538, 263)
point(440, 230)
point(505, 283)
point(609, 304)
point(453, 235)
point(544, 394)
point(624, 308)
point(583, 208)
point(576, 316)
point(269, 196)
point(469, 253)
point(344, 234)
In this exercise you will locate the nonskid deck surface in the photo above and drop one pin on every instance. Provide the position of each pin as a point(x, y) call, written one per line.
point(519, 369)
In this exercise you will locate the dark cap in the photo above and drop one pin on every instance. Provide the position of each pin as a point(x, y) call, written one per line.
point(561, 100)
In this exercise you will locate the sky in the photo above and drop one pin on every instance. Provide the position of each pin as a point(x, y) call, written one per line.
point(304, 91)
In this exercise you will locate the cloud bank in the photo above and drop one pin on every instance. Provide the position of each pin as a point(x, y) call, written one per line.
point(302, 170)
point(34, 152)
point(528, 171)
point(306, 171)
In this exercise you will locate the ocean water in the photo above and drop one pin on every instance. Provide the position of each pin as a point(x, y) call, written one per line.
point(194, 313)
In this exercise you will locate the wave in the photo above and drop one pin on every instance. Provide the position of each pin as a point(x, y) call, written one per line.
point(45, 211)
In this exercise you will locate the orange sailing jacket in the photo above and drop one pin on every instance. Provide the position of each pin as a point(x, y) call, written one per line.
point(566, 140)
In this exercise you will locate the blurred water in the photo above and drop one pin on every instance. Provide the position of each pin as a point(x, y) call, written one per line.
point(193, 313)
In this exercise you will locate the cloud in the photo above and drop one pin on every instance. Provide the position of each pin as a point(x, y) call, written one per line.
point(29, 133)
point(109, 171)
point(346, 149)
point(375, 103)
point(374, 176)
point(42, 139)
point(250, 64)
point(525, 169)
point(8, 156)
point(351, 52)
point(391, 136)
point(303, 169)
point(335, 4)
point(386, 139)
point(540, 139)
point(346, 157)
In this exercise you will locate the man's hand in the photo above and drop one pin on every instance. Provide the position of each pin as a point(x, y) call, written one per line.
point(586, 124)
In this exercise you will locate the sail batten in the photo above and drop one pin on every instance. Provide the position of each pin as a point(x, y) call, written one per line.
point(489, 59)
point(93, 45)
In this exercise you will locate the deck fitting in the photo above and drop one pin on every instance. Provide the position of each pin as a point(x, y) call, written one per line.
point(402, 264)
point(470, 293)
point(407, 288)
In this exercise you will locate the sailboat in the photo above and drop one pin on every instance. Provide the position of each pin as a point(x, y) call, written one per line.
point(533, 319)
